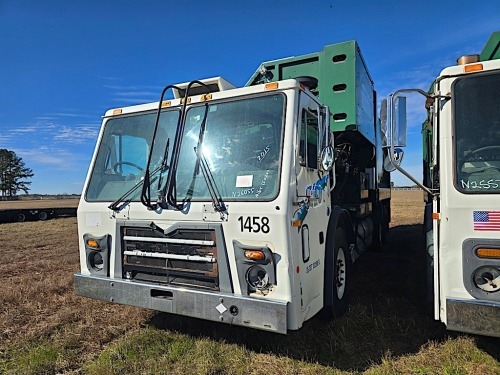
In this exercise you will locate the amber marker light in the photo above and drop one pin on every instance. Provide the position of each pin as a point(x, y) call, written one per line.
point(473, 68)
point(488, 253)
point(117, 111)
point(254, 255)
point(206, 97)
point(92, 244)
point(166, 103)
point(271, 86)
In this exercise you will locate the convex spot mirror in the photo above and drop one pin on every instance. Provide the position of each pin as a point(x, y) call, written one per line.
point(326, 159)
point(390, 165)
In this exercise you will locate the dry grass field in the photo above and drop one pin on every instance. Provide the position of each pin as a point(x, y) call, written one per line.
point(46, 329)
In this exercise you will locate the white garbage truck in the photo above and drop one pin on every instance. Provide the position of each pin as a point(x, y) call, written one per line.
point(461, 181)
point(245, 206)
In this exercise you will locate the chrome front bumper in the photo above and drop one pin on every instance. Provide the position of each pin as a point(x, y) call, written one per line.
point(472, 316)
point(219, 307)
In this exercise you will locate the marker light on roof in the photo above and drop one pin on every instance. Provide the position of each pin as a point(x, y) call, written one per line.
point(271, 86)
point(473, 68)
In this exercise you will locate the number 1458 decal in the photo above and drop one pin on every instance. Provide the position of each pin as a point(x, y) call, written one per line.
point(254, 224)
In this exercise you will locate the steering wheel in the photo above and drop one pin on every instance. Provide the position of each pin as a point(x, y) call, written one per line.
point(471, 154)
point(115, 167)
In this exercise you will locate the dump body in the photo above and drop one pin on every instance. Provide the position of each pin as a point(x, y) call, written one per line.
point(343, 84)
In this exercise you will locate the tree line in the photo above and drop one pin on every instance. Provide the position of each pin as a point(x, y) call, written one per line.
point(13, 174)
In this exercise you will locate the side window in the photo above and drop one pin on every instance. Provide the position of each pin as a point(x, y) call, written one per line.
point(308, 152)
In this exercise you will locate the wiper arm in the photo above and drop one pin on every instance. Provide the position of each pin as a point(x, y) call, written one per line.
point(170, 187)
point(114, 206)
point(217, 201)
point(164, 167)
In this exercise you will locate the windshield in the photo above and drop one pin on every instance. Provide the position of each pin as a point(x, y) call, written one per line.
point(123, 154)
point(241, 148)
point(477, 133)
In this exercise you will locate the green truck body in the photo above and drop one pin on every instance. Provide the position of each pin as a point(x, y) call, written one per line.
point(344, 84)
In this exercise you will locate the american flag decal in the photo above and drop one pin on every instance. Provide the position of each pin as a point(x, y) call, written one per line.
point(487, 220)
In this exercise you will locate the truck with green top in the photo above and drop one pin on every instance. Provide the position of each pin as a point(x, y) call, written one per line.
point(245, 206)
point(461, 181)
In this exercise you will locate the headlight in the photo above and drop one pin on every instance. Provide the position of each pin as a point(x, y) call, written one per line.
point(96, 261)
point(257, 278)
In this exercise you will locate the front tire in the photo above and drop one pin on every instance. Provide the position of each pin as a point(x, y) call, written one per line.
point(339, 279)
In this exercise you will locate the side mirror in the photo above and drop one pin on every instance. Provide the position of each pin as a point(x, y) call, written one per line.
point(393, 124)
point(326, 159)
point(397, 159)
point(399, 122)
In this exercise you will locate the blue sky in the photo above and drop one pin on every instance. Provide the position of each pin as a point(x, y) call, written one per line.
point(64, 63)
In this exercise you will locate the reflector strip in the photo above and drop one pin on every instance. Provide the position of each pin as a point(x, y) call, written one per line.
point(194, 258)
point(169, 240)
point(488, 253)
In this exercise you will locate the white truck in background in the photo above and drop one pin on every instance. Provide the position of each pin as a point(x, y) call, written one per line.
point(461, 180)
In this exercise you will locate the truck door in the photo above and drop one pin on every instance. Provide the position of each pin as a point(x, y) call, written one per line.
point(311, 195)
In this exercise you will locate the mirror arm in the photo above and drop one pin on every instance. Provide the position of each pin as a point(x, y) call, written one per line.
point(390, 123)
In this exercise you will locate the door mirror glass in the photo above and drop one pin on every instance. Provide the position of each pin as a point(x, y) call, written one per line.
point(399, 122)
point(390, 165)
point(326, 159)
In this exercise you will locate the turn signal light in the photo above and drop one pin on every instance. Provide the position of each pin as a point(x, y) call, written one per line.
point(92, 244)
point(254, 255)
point(488, 253)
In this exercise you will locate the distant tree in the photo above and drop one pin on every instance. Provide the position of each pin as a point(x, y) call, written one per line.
point(13, 174)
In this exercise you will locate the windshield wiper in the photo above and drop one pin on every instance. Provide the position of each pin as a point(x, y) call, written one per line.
point(114, 206)
point(164, 166)
point(201, 162)
point(217, 201)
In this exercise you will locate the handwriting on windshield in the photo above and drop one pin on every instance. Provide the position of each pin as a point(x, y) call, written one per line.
point(480, 184)
point(262, 183)
point(263, 153)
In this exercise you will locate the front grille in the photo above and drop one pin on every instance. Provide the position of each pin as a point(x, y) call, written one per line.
point(184, 257)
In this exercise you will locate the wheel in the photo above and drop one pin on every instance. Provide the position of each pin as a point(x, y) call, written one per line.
point(337, 281)
point(42, 215)
point(115, 167)
point(20, 217)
